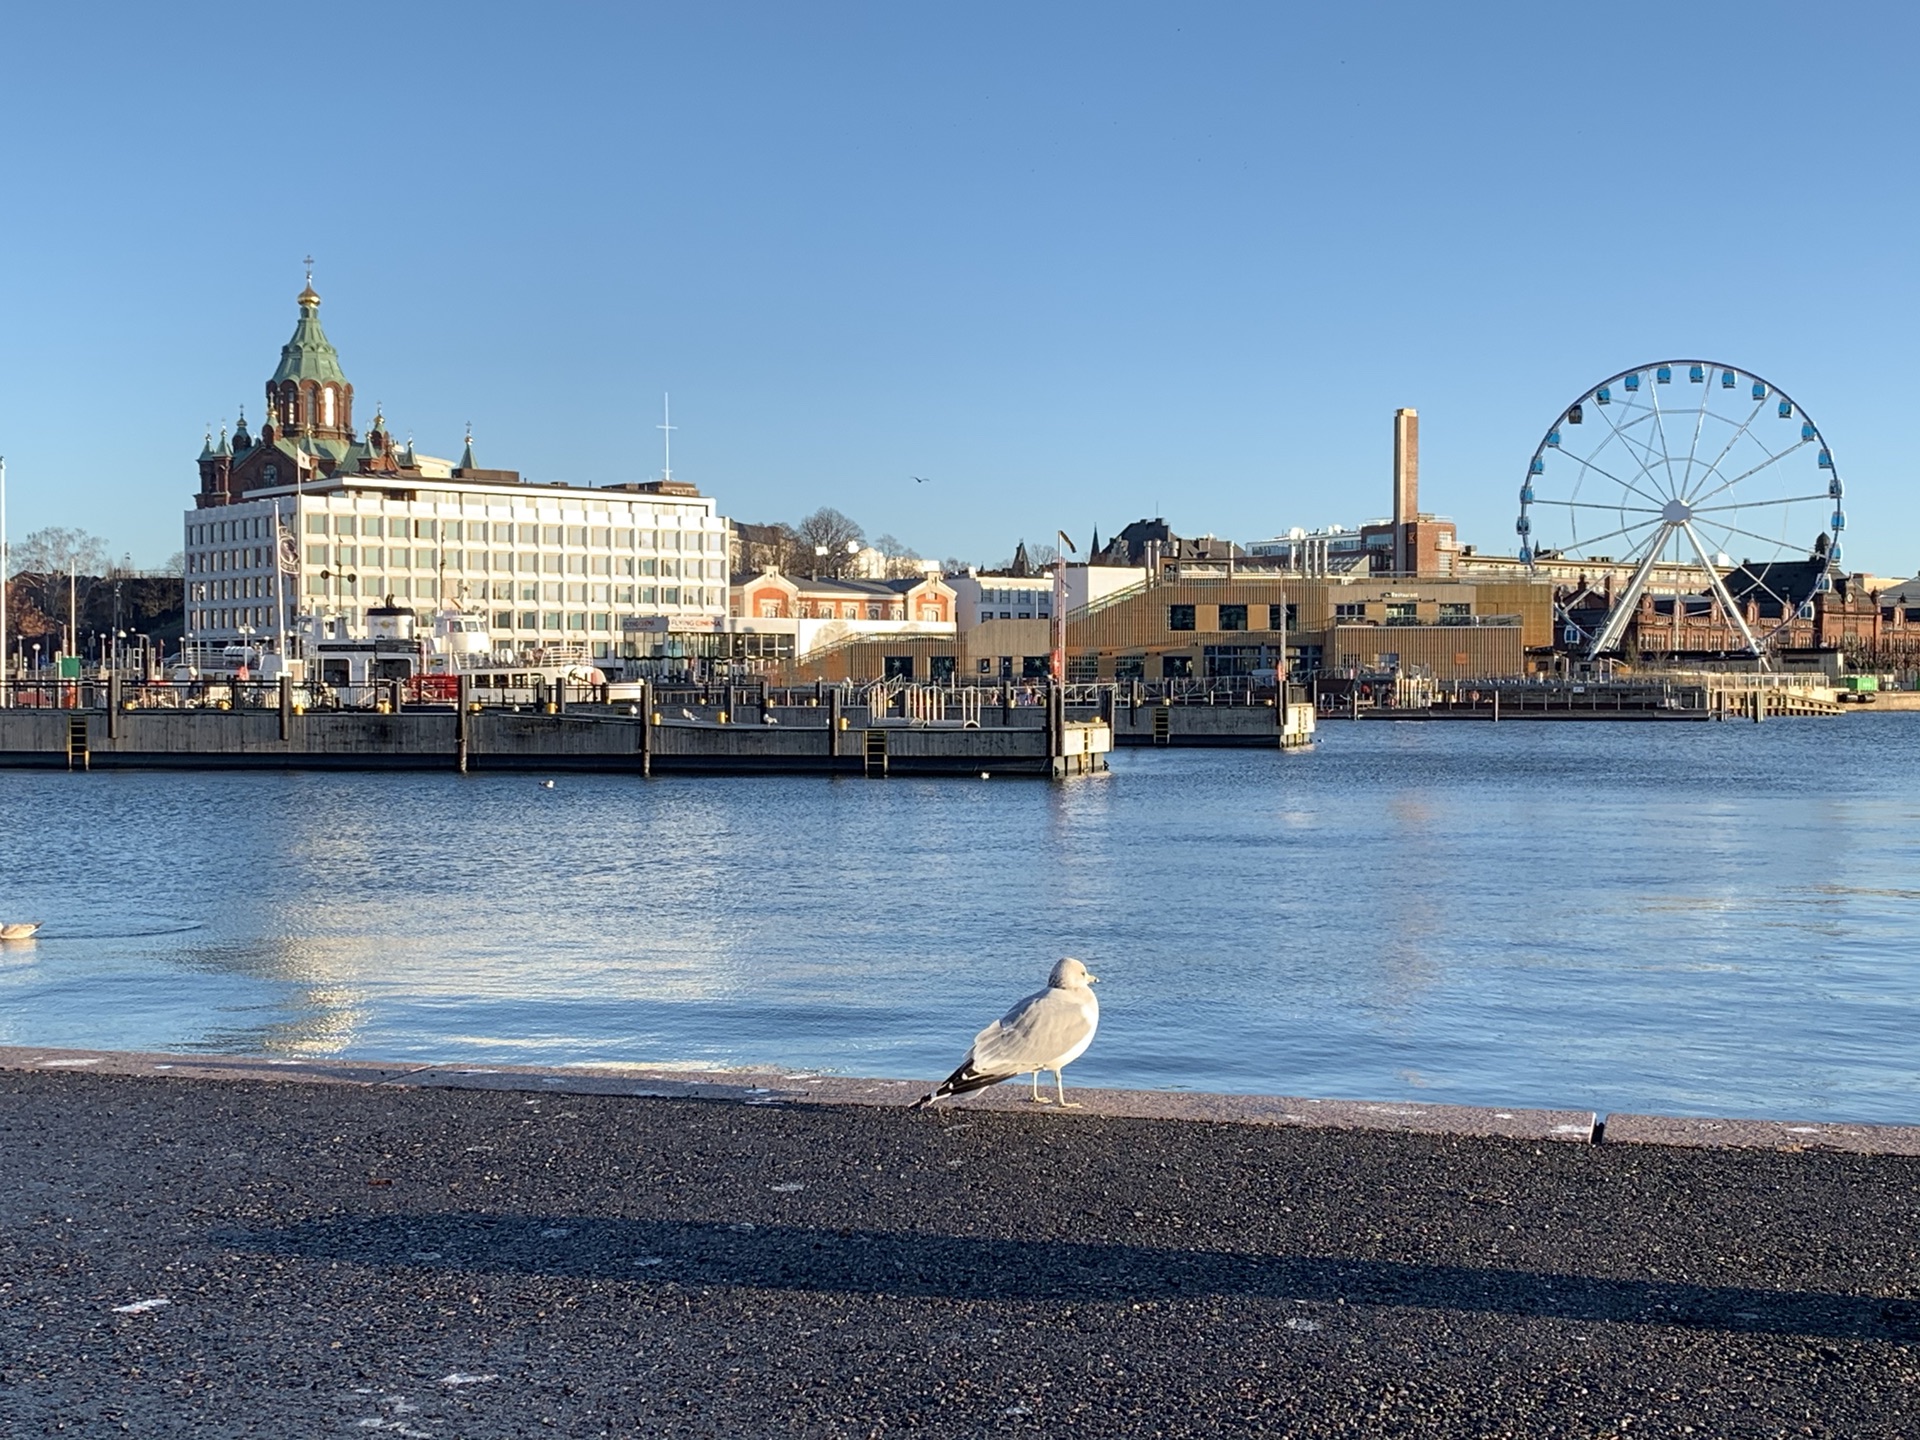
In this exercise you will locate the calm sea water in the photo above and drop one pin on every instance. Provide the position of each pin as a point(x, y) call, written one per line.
point(1692, 919)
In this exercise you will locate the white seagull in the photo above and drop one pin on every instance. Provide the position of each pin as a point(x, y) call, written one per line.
point(1045, 1031)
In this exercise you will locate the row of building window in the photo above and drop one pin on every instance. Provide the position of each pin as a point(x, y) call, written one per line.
point(259, 618)
point(1236, 617)
point(508, 563)
point(574, 537)
point(1012, 615)
point(406, 587)
point(260, 527)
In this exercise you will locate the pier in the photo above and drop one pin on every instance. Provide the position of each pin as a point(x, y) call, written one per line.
point(836, 730)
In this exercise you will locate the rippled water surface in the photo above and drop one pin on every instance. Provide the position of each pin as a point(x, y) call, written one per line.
point(1710, 919)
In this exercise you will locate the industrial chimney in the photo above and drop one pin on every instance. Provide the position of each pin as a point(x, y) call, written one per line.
point(1406, 487)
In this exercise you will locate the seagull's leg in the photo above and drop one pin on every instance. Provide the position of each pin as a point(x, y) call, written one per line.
point(1038, 1098)
point(1060, 1084)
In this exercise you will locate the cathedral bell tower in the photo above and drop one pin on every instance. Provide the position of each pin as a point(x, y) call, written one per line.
point(308, 394)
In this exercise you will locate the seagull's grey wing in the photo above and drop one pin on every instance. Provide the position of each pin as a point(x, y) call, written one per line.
point(1032, 1035)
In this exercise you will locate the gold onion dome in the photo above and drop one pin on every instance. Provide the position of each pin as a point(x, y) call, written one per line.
point(307, 296)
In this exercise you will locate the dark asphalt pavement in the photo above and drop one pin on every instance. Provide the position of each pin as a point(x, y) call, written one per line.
point(340, 1260)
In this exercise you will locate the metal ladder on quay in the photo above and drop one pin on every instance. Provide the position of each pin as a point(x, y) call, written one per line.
point(1163, 724)
point(876, 753)
point(79, 756)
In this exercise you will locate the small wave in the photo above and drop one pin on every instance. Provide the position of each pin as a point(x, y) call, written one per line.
point(116, 930)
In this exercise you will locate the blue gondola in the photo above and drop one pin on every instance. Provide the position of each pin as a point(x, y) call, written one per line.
point(1833, 553)
point(1526, 492)
point(1822, 582)
point(1727, 379)
point(1603, 396)
point(1526, 554)
point(1805, 612)
point(1759, 389)
point(1553, 438)
point(1523, 526)
point(1539, 466)
point(1570, 635)
point(1839, 520)
point(1696, 373)
point(1833, 487)
point(1826, 459)
point(1632, 382)
point(1786, 409)
point(1664, 375)
point(1806, 430)
point(1576, 415)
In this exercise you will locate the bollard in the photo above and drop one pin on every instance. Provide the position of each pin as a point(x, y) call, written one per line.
point(462, 715)
point(286, 706)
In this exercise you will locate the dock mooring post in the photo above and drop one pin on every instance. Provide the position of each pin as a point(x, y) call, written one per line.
point(462, 702)
point(113, 704)
point(646, 727)
point(286, 706)
point(833, 724)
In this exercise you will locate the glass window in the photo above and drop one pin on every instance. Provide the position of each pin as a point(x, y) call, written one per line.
point(529, 620)
point(1233, 617)
point(503, 534)
point(602, 622)
point(576, 594)
point(577, 536)
point(623, 539)
point(372, 555)
point(342, 525)
point(529, 534)
point(1353, 611)
point(552, 564)
point(450, 530)
point(316, 555)
point(343, 555)
point(1180, 617)
point(549, 534)
point(550, 620)
point(1281, 615)
point(602, 537)
point(600, 564)
point(373, 525)
point(1176, 667)
point(503, 619)
point(623, 594)
point(648, 595)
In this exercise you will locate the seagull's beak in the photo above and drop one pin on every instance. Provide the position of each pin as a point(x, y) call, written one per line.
point(1093, 979)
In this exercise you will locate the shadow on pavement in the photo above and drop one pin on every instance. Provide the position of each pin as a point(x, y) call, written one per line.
point(797, 1258)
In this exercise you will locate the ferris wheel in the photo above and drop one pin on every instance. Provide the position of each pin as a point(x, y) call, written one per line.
point(1675, 469)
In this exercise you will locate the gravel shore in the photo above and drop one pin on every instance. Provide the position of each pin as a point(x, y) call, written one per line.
point(238, 1258)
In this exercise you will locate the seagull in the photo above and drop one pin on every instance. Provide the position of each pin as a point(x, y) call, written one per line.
point(19, 930)
point(1045, 1031)
point(546, 784)
point(769, 720)
point(922, 479)
point(686, 714)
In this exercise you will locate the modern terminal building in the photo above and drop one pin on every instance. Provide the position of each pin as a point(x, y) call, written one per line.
point(309, 523)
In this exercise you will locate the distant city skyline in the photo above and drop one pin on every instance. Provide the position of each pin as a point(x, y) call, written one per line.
point(965, 275)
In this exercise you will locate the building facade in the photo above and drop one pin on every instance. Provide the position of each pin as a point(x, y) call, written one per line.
point(311, 521)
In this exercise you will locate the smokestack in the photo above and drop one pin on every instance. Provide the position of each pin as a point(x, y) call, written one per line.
point(1406, 485)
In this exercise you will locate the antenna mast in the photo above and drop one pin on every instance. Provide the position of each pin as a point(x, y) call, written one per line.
point(666, 427)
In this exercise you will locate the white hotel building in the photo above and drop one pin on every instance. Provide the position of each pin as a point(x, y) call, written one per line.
point(629, 570)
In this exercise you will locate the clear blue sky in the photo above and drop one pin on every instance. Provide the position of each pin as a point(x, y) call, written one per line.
point(1078, 263)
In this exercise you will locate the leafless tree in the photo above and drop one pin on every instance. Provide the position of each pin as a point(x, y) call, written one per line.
point(57, 551)
point(902, 559)
point(827, 529)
